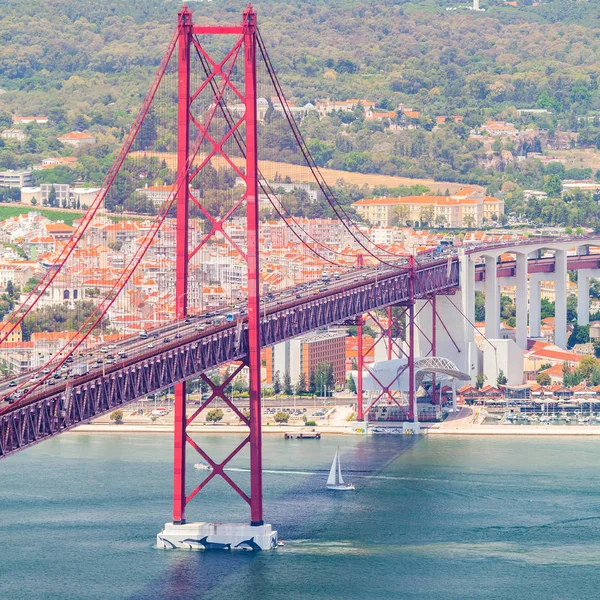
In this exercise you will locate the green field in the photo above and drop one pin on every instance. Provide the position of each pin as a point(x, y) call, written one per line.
point(68, 216)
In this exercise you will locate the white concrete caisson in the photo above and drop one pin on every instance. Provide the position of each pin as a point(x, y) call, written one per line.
point(217, 536)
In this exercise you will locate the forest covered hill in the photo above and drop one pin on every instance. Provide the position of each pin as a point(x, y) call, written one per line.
point(87, 65)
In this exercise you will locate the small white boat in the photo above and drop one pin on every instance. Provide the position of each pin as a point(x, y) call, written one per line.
point(202, 466)
point(335, 481)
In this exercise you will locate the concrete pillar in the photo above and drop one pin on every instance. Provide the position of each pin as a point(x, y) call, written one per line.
point(521, 301)
point(583, 298)
point(492, 299)
point(560, 268)
point(535, 308)
point(454, 395)
point(467, 287)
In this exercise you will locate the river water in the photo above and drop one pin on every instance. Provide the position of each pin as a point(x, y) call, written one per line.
point(431, 518)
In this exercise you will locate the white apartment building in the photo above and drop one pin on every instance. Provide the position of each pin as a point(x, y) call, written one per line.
point(18, 179)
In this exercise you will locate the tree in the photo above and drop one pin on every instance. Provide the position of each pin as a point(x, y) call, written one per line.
point(312, 384)
point(543, 379)
point(214, 415)
point(116, 416)
point(281, 417)
point(501, 379)
point(579, 335)
point(350, 384)
point(10, 289)
point(479, 307)
point(276, 383)
point(479, 381)
point(287, 384)
point(33, 201)
point(52, 196)
point(301, 385)
point(324, 379)
point(588, 368)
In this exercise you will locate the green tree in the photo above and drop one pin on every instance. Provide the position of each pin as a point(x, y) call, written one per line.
point(116, 416)
point(479, 381)
point(287, 384)
point(588, 368)
point(52, 196)
point(553, 186)
point(579, 335)
point(312, 384)
point(214, 415)
point(351, 385)
point(543, 379)
point(501, 379)
point(301, 385)
point(276, 383)
point(281, 417)
point(479, 307)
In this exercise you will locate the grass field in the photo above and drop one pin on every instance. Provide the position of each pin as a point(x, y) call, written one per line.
point(581, 158)
point(299, 173)
point(54, 214)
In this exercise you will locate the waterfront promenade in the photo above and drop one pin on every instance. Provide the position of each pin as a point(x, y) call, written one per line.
point(466, 421)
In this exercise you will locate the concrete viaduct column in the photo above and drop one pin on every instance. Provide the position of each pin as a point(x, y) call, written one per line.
point(521, 300)
point(535, 308)
point(560, 327)
point(583, 297)
point(583, 294)
point(492, 299)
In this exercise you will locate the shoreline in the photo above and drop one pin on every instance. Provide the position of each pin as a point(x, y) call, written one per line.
point(437, 430)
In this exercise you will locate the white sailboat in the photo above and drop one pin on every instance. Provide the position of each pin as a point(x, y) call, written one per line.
point(335, 481)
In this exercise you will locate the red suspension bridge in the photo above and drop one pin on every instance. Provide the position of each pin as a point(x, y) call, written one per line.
point(214, 107)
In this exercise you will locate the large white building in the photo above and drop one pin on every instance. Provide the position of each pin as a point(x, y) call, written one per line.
point(469, 207)
point(18, 179)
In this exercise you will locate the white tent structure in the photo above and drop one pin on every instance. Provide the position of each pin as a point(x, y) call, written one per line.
point(394, 375)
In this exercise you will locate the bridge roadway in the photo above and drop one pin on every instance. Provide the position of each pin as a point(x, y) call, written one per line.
point(49, 410)
point(151, 365)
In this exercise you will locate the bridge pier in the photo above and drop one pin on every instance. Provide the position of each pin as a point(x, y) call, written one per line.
point(521, 300)
point(583, 294)
point(560, 302)
point(492, 299)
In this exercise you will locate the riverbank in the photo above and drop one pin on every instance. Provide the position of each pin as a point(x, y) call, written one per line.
point(470, 422)
point(210, 429)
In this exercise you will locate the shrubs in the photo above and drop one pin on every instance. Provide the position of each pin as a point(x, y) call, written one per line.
point(116, 416)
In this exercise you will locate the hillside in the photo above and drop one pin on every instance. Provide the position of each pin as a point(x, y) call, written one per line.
point(87, 65)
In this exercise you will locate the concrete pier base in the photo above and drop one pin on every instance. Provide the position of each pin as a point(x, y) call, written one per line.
point(216, 536)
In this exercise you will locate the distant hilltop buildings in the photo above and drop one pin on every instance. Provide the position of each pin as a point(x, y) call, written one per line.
point(467, 208)
point(474, 6)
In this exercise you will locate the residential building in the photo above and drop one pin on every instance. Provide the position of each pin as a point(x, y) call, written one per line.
point(18, 179)
point(52, 162)
point(77, 139)
point(26, 120)
point(302, 355)
point(500, 129)
point(468, 207)
point(157, 194)
point(13, 134)
point(329, 106)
